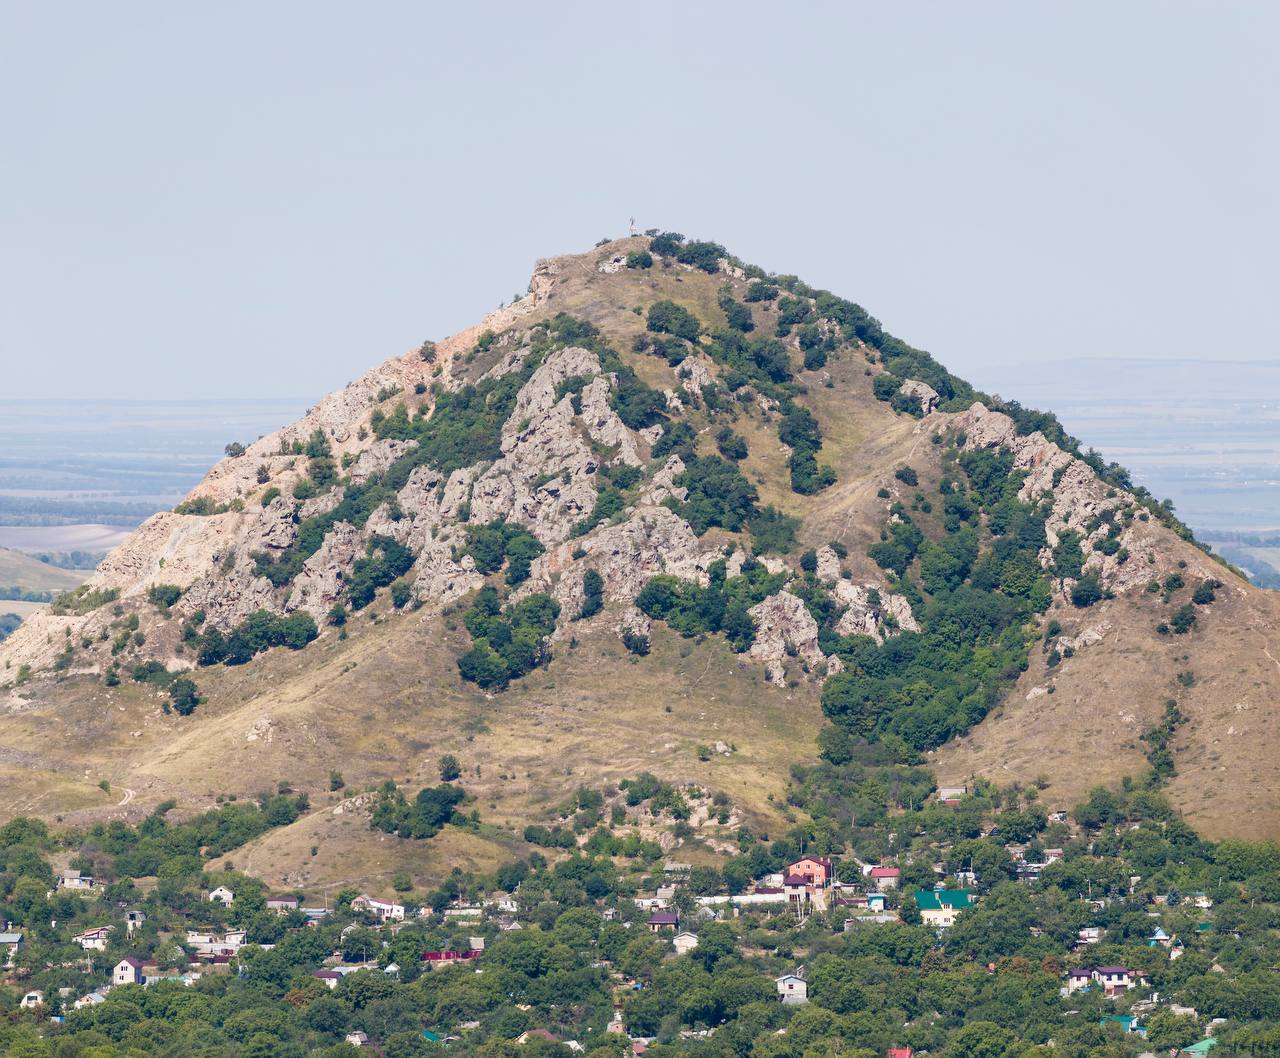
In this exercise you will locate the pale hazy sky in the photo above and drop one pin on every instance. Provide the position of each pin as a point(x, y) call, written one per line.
point(264, 199)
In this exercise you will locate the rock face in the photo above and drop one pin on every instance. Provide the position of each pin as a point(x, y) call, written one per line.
point(926, 394)
point(1081, 503)
point(784, 628)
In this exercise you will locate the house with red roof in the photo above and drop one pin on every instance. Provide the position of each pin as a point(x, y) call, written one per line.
point(885, 877)
point(900, 1052)
point(818, 871)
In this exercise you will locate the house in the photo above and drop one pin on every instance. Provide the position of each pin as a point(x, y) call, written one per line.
point(939, 907)
point(128, 971)
point(208, 944)
point(34, 998)
point(1160, 937)
point(75, 881)
point(382, 911)
point(434, 959)
point(1202, 1047)
point(1091, 935)
point(876, 902)
point(1052, 855)
point(885, 877)
point(357, 1039)
point(796, 887)
point(818, 871)
point(685, 943)
point(315, 915)
point(950, 795)
point(133, 921)
point(1115, 980)
point(222, 895)
point(9, 945)
point(90, 1000)
point(1127, 1022)
point(661, 920)
point(536, 1034)
point(650, 903)
point(792, 989)
point(95, 939)
point(1078, 980)
point(329, 977)
point(900, 1052)
point(282, 905)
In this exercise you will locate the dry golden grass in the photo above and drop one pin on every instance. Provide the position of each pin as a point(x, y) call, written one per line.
point(22, 571)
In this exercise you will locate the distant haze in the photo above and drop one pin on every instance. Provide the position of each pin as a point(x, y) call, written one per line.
point(254, 200)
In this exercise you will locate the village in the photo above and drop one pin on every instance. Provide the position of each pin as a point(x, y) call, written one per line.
point(811, 896)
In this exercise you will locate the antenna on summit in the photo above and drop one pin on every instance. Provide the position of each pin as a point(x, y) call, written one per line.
point(633, 226)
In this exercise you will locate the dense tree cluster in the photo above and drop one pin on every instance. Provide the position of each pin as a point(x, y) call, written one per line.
point(507, 642)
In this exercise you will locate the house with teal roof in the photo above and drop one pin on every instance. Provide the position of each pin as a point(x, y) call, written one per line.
point(1203, 1047)
point(939, 907)
point(1127, 1022)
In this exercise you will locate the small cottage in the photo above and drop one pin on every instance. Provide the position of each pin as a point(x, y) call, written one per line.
point(792, 989)
point(685, 943)
point(128, 971)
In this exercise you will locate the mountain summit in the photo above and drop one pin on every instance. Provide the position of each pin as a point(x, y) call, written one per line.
point(665, 511)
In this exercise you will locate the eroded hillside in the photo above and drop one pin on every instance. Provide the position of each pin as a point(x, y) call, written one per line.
point(661, 502)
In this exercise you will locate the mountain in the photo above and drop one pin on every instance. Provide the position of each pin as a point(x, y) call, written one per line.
point(665, 513)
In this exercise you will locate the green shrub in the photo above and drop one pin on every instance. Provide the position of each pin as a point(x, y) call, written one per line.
point(635, 642)
point(1086, 591)
point(592, 595)
point(163, 596)
point(639, 259)
point(730, 445)
point(666, 317)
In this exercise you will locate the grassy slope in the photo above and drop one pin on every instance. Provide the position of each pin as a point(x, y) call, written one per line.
point(23, 571)
point(387, 702)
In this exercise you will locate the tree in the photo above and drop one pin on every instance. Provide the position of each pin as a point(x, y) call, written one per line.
point(450, 769)
point(1087, 591)
point(185, 695)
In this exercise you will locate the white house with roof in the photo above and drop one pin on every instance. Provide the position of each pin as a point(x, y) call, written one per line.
point(792, 988)
point(9, 944)
point(92, 999)
point(685, 942)
point(383, 911)
point(222, 895)
point(34, 998)
point(128, 971)
point(282, 905)
point(133, 921)
point(95, 939)
point(1115, 980)
point(208, 943)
